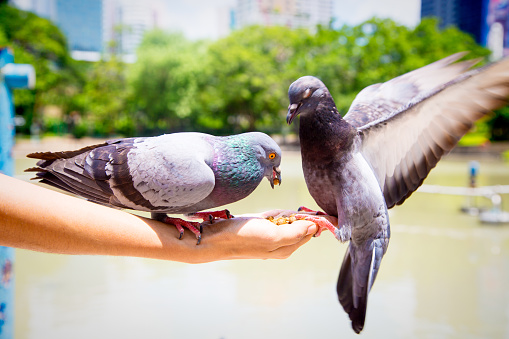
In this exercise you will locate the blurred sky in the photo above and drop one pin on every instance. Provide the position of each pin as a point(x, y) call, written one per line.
point(201, 18)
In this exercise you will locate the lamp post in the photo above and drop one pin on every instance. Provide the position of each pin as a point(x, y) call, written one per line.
point(11, 76)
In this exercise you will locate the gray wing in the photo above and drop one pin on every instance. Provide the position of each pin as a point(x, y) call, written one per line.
point(172, 170)
point(403, 147)
point(160, 174)
point(381, 100)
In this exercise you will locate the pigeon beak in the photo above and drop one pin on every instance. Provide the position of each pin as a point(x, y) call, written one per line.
point(293, 111)
point(276, 177)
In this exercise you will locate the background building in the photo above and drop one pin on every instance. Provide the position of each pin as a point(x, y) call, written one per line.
point(97, 27)
point(486, 20)
point(290, 13)
point(126, 21)
point(81, 22)
point(94, 27)
point(467, 15)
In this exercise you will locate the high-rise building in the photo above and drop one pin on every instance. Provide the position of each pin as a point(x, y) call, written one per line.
point(486, 20)
point(290, 13)
point(96, 26)
point(445, 10)
point(126, 21)
point(467, 15)
point(81, 22)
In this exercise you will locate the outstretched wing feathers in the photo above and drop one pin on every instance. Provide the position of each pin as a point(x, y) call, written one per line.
point(381, 100)
point(430, 126)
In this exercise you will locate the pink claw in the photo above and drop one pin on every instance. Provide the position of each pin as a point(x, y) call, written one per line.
point(321, 222)
point(305, 209)
point(181, 223)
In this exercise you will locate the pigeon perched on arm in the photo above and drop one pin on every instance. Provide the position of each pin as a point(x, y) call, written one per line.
point(172, 173)
point(358, 166)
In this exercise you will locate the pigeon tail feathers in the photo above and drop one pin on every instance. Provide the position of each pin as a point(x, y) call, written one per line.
point(356, 277)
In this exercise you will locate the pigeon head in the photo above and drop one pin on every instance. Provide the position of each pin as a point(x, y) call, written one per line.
point(268, 154)
point(304, 95)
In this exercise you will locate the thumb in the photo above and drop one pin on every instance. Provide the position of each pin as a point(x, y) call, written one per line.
point(312, 228)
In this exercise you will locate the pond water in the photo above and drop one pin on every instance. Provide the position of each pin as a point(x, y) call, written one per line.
point(445, 275)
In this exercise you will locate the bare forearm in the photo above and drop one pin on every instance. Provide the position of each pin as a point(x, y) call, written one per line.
point(39, 219)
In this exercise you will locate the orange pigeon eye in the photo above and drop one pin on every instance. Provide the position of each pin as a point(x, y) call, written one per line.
point(272, 155)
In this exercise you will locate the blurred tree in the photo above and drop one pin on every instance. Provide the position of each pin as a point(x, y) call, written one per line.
point(249, 71)
point(103, 103)
point(234, 84)
point(38, 42)
point(165, 80)
point(246, 78)
point(354, 57)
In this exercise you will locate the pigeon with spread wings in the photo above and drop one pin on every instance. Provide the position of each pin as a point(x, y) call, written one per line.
point(359, 166)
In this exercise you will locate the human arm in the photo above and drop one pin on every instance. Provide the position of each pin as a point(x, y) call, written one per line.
point(39, 219)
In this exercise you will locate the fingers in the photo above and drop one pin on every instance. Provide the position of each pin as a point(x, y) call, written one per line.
point(244, 237)
point(286, 251)
point(289, 234)
point(291, 237)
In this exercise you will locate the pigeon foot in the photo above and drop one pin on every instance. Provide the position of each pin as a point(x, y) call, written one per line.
point(305, 209)
point(320, 221)
point(211, 215)
point(181, 223)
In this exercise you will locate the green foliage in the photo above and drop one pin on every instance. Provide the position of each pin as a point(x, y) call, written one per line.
point(246, 78)
point(102, 102)
point(38, 42)
point(352, 58)
point(231, 85)
point(165, 80)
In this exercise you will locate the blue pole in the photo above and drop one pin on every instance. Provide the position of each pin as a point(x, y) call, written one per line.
point(11, 76)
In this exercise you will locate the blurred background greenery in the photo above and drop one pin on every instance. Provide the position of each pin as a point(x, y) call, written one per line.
point(230, 85)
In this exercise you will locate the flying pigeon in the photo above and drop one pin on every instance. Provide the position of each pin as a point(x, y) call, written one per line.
point(372, 159)
point(179, 173)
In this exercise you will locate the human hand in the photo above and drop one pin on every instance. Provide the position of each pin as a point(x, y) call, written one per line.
point(322, 220)
point(252, 236)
